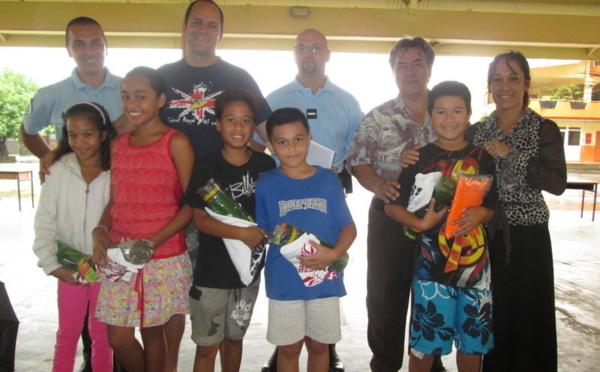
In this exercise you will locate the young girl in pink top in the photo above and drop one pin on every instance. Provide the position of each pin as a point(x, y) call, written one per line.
point(151, 167)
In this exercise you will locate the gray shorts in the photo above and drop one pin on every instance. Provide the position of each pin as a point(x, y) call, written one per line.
point(221, 313)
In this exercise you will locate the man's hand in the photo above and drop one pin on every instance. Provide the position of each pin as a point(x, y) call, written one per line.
point(387, 190)
point(409, 157)
point(45, 162)
point(65, 275)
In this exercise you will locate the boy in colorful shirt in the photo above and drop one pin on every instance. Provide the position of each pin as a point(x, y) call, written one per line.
point(451, 301)
point(303, 290)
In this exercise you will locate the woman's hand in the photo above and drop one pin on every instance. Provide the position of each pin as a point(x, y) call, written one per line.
point(65, 275)
point(497, 149)
point(101, 244)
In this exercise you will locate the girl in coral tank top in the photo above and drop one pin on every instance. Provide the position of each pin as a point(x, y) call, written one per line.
point(151, 167)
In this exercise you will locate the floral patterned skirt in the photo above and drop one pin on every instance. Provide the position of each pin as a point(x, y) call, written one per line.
point(162, 293)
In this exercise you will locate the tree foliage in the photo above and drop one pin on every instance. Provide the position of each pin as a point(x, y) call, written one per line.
point(15, 92)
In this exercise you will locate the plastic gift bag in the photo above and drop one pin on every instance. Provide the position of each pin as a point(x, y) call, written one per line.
point(221, 203)
point(246, 261)
point(470, 191)
point(76, 261)
point(426, 187)
point(284, 233)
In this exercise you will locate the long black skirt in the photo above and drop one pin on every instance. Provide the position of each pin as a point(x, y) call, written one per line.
point(523, 293)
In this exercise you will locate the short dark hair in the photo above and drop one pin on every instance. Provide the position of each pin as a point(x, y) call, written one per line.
point(97, 115)
point(417, 43)
point(82, 21)
point(236, 95)
point(188, 11)
point(520, 60)
point(448, 88)
point(157, 83)
point(286, 115)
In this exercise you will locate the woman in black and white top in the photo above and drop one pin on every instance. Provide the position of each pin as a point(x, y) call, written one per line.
point(529, 155)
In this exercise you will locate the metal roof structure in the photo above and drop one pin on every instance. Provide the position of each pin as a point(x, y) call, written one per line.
point(537, 28)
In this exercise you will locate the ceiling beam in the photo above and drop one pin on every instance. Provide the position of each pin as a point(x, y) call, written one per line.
point(348, 29)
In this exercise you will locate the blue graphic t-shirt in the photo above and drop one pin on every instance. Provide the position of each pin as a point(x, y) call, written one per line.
point(191, 93)
point(316, 205)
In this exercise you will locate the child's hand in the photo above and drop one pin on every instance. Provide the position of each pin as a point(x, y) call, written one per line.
point(101, 244)
point(319, 260)
point(253, 236)
point(409, 157)
point(432, 218)
point(471, 217)
point(65, 275)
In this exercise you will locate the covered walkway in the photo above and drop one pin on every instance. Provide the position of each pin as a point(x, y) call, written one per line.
point(576, 260)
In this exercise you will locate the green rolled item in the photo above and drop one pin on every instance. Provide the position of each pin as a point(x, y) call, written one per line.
point(221, 203)
point(285, 233)
point(76, 261)
point(443, 192)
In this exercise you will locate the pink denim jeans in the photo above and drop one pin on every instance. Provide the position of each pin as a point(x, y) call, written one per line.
point(73, 302)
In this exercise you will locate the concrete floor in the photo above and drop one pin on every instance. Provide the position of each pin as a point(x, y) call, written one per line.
point(576, 258)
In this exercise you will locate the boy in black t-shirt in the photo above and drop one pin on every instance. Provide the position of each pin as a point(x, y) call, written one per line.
point(451, 283)
point(221, 304)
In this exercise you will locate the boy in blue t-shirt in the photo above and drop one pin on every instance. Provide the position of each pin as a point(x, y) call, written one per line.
point(451, 284)
point(221, 304)
point(303, 290)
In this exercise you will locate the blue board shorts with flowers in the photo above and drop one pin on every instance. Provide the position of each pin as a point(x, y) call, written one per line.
point(443, 314)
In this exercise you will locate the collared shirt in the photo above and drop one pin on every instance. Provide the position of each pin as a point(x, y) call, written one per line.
point(385, 132)
point(338, 114)
point(50, 103)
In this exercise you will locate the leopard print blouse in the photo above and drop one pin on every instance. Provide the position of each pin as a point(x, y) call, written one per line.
point(536, 162)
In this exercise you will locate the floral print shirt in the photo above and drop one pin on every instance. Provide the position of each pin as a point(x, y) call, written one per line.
point(385, 132)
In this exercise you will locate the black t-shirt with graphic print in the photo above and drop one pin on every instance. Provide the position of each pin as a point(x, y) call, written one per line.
point(214, 268)
point(191, 93)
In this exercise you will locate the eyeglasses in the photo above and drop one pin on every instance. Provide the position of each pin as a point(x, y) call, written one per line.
point(312, 49)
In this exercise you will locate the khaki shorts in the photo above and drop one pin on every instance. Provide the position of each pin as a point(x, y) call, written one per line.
point(291, 321)
point(221, 313)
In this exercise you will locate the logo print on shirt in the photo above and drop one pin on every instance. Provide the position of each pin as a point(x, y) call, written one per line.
point(318, 204)
point(244, 188)
point(198, 103)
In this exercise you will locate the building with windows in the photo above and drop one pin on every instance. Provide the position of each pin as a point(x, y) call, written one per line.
point(570, 95)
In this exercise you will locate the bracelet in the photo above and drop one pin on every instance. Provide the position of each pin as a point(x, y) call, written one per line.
point(101, 227)
point(419, 228)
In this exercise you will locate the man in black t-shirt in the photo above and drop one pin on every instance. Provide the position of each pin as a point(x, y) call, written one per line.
point(193, 83)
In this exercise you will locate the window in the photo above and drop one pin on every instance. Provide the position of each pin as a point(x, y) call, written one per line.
point(574, 137)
